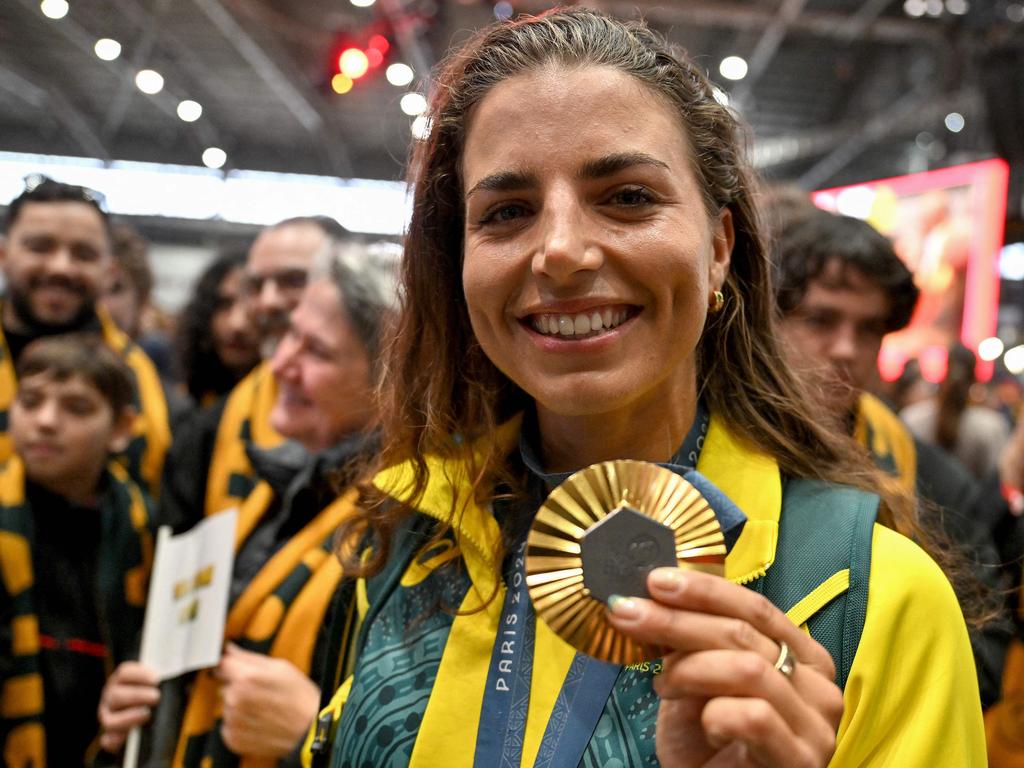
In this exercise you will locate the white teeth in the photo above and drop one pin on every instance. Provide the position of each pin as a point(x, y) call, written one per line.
point(581, 324)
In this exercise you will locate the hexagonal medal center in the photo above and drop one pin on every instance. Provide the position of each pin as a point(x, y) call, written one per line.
point(619, 551)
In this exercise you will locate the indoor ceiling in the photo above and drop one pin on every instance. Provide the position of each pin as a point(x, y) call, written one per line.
point(837, 90)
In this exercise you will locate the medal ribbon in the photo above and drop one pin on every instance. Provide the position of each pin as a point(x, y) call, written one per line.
point(589, 682)
point(499, 741)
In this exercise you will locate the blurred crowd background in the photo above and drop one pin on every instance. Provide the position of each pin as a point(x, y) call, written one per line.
point(202, 121)
point(212, 131)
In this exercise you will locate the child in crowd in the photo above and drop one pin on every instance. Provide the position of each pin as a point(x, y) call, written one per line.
point(64, 504)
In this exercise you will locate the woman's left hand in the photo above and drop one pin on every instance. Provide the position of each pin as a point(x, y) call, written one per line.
point(723, 702)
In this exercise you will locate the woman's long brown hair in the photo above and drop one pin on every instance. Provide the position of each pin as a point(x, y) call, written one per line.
point(440, 392)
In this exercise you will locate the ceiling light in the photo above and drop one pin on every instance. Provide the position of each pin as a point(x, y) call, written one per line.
point(362, 3)
point(990, 349)
point(733, 68)
point(933, 8)
point(1014, 360)
point(189, 110)
point(353, 63)
point(915, 8)
point(149, 81)
point(954, 122)
point(1015, 12)
point(413, 104)
point(399, 74)
point(54, 9)
point(1011, 262)
point(107, 49)
point(341, 84)
point(214, 157)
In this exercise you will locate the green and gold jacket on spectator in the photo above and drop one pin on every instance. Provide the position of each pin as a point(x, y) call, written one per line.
point(278, 614)
point(888, 440)
point(125, 559)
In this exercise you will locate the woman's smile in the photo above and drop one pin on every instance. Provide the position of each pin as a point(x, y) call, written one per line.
point(580, 325)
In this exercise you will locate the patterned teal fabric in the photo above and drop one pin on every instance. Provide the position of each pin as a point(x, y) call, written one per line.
point(624, 736)
point(403, 644)
point(396, 671)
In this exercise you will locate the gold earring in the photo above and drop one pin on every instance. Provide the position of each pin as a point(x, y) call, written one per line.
point(717, 302)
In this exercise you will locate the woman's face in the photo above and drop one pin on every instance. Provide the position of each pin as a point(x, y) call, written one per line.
point(324, 381)
point(234, 333)
point(589, 255)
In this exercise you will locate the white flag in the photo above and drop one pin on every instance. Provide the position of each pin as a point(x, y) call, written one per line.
point(188, 596)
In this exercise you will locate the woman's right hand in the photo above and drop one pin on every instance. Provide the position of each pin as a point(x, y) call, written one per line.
point(127, 701)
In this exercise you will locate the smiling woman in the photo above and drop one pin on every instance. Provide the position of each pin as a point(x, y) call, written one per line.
point(597, 219)
point(254, 707)
point(585, 280)
point(323, 372)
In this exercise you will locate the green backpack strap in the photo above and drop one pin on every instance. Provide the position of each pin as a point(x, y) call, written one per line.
point(822, 564)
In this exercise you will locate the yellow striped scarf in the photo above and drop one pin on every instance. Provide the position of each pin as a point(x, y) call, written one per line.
point(279, 614)
point(246, 418)
point(21, 695)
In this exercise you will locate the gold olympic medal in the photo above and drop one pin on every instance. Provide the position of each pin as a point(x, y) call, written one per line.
point(600, 533)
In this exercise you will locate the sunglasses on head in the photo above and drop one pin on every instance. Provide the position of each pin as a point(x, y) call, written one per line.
point(69, 191)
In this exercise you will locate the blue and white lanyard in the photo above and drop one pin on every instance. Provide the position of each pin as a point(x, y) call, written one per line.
point(588, 683)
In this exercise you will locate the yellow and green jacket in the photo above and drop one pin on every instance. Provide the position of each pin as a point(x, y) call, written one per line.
point(144, 456)
point(888, 441)
point(125, 559)
point(246, 419)
point(416, 695)
point(278, 614)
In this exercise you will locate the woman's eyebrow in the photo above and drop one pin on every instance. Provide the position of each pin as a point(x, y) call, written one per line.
point(612, 164)
point(505, 181)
